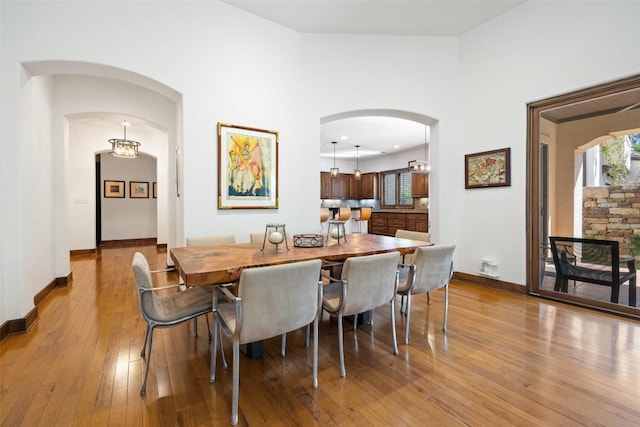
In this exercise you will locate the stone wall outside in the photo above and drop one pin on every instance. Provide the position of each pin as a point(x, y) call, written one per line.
point(612, 213)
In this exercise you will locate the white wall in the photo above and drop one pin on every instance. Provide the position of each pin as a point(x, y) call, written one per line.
point(534, 51)
point(411, 74)
point(224, 65)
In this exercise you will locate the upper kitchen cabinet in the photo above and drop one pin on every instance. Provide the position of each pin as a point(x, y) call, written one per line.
point(367, 186)
point(345, 186)
point(420, 185)
point(333, 188)
point(325, 185)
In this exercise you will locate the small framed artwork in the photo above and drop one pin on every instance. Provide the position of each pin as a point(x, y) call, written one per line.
point(155, 190)
point(114, 189)
point(138, 190)
point(248, 168)
point(488, 169)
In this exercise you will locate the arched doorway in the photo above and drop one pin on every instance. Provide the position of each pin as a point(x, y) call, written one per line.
point(80, 88)
point(417, 130)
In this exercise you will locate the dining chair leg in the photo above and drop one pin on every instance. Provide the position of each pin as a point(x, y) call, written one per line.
point(236, 382)
point(283, 345)
point(392, 305)
point(446, 307)
point(408, 320)
point(143, 389)
point(306, 335)
point(314, 380)
point(225, 365)
point(343, 371)
point(428, 298)
point(355, 322)
point(146, 339)
point(217, 334)
point(206, 316)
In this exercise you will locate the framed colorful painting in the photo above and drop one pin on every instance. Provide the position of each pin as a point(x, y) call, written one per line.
point(248, 168)
point(488, 169)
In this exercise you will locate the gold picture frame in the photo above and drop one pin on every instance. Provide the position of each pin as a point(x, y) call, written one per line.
point(248, 167)
point(488, 169)
point(113, 189)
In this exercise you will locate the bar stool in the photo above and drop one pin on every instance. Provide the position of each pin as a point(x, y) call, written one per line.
point(344, 214)
point(324, 216)
point(365, 215)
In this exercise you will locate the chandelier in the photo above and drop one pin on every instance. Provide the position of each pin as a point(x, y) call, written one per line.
point(334, 171)
point(357, 174)
point(124, 148)
point(421, 166)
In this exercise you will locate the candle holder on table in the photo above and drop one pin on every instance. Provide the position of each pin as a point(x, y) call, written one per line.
point(275, 234)
point(336, 231)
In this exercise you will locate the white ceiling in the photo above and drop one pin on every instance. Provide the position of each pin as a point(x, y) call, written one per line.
point(376, 135)
point(391, 17)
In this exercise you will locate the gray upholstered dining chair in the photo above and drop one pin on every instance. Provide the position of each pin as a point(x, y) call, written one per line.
point(367, 282)
point(270, 301)
point(257, 237)
point(432, 269)
point(166, 310)
point(208, 241)
point(211, 240)
point(412, 235)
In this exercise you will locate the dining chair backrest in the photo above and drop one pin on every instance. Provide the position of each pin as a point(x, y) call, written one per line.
point(257, 237)
point(413, 235)
point(278, 299)
point(211, 240)
point(434, 266)
point(142, 273)
point(371, 281)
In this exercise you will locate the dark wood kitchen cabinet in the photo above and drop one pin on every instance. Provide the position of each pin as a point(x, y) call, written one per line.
point(325, 185)
point(352, 187)
point(345, 186)
point(420, 185)
point(386, 223)
point(333, 188)
point(367, 186)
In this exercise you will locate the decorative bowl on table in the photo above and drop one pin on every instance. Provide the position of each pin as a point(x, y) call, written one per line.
point(308, 240)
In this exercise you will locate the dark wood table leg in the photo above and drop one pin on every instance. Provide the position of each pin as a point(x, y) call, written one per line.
point(253, 350)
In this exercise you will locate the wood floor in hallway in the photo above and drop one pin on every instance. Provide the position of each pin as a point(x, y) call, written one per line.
point(506, 360)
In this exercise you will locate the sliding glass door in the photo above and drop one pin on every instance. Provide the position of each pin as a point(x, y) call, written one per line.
point(582, 183)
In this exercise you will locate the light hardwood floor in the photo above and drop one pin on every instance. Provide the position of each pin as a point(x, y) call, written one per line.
point(505, 360)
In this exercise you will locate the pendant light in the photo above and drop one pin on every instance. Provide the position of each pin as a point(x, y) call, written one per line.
point(357, 174)
point(124, 148)
point(421, 166)
point(334, 170)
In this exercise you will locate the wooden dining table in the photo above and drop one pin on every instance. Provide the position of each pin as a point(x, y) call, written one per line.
point(220, 264)
point(224, 263)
